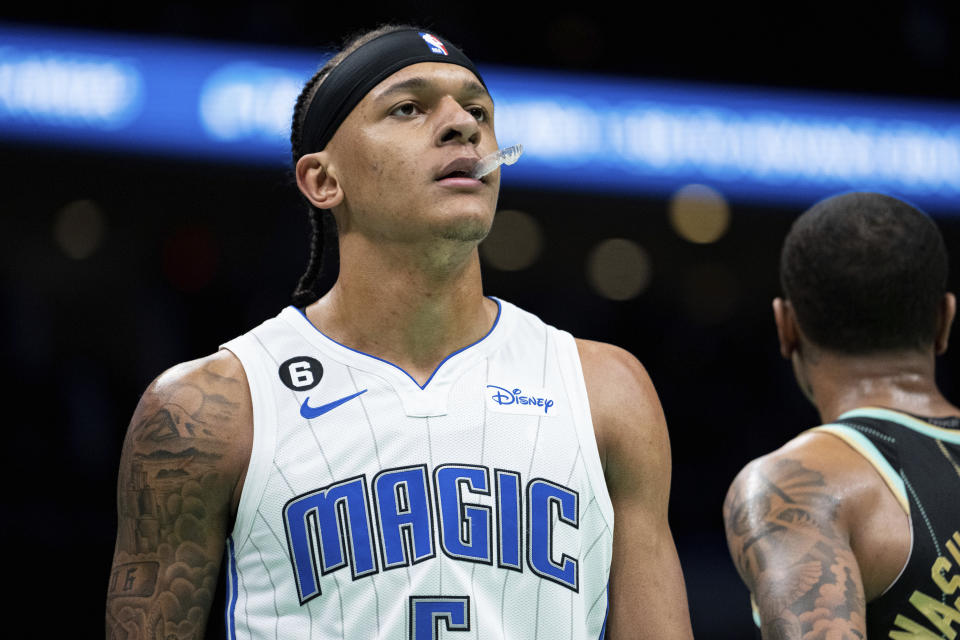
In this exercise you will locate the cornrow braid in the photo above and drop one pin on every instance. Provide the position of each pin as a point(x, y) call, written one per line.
point(324, 262)
point(306, 292)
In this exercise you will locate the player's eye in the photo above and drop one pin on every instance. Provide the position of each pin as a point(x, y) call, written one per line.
point(478, 112)
point(405, 110)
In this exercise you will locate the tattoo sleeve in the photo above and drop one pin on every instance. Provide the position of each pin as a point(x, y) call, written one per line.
point(781, 528)
point(173, 500)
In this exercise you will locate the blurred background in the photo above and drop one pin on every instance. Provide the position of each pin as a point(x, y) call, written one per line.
point(148, 215)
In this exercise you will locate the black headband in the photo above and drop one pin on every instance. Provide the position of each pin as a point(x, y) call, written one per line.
point(362, 70)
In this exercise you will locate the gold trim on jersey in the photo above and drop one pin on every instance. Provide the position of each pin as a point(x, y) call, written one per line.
point(946, 454)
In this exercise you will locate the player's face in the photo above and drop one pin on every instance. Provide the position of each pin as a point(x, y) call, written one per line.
point(403, 153)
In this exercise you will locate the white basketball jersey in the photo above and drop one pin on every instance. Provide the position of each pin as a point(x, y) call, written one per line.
point(471, 507)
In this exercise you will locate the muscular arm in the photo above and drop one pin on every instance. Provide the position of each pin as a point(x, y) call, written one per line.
point(786, 518)
point(180, 472)
point(647, 594)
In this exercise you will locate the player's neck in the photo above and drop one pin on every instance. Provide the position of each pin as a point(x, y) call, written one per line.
point(903, 381)
point(406, 307)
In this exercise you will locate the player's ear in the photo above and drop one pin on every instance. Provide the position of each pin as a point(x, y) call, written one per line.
point(317, 180)
point(948, 309)
point(787, 331)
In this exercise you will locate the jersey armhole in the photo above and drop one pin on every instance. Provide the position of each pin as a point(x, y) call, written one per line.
point(264, 437)
point(568, 358)
point(862, 445)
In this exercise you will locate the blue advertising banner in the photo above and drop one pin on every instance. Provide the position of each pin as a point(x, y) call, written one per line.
point(233, 103)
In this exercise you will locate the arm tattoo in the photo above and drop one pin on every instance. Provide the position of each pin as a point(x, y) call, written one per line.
point(172, 500)
point(781, 527)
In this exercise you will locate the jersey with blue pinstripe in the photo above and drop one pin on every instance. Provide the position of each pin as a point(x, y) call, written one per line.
point(919, 459)
point(473, 506)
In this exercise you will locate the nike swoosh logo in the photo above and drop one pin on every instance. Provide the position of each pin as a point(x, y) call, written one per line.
point(309, 412)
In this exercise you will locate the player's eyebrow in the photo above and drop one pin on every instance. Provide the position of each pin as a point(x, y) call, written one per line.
point(469, 89)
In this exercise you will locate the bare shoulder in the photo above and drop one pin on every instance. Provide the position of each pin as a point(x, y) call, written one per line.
point(181, 469)
point(202, 404)
point(617, 383)
point(810, 471)
point(628, 420)
point(803, 515)
point(220, 373)
point(605, 363)
point(812, 464)
point(803, 448)
point(789, 542)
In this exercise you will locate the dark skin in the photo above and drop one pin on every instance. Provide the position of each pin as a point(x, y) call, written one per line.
point(408, 253)
point(813, 529)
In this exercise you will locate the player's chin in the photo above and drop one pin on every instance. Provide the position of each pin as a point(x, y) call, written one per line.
point(465, 227)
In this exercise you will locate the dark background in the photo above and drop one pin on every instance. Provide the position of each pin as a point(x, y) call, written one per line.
point(84, 338)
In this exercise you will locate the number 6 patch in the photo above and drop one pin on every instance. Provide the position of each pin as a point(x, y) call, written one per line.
point(301, 373)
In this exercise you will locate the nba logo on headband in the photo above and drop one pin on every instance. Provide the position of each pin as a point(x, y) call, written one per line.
point(434, 43)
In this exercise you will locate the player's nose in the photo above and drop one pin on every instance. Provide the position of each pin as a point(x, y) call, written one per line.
point(457, 124)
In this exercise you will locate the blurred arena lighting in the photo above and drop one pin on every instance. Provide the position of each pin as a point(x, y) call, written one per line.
point(699, 214)
point(245, 100)
point(69, 89)
point(514, 242)
point(135, 94)
point(78, 229)
point(233, 103)
point(619, 269)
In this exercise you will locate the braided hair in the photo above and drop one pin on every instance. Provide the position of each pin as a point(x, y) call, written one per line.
point(324, 263)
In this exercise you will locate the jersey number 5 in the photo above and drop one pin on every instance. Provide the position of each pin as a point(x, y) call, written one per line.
point(427, 613)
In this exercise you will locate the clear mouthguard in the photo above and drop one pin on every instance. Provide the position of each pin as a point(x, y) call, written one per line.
point(507, 156)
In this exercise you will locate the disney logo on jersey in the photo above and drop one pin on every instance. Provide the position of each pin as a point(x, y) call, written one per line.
point(533, 402)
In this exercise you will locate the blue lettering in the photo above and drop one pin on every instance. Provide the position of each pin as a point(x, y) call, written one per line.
point(500, 395)
point(465, 528)
point(508, 517)
point(543, 497)
point(504, 397)
point(402, 500)
point(338, 518)
point(332, 527)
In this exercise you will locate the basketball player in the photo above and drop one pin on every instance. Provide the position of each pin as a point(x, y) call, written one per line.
point(399, 457)
point(852, 529)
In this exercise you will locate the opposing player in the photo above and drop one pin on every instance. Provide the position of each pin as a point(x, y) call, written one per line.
point(852, 529)
point(400, 457)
